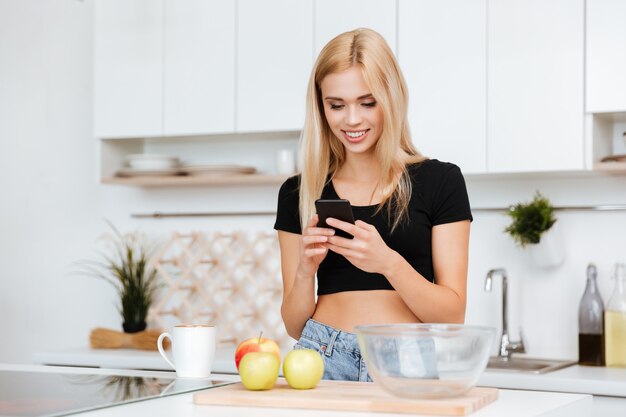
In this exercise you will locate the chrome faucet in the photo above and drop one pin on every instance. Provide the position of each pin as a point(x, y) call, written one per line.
point(506, 346)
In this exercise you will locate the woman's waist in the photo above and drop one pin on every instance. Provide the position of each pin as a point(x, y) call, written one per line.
point(344, 310)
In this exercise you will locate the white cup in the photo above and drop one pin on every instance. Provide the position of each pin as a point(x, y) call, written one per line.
point(193, 348)
point(285, 161)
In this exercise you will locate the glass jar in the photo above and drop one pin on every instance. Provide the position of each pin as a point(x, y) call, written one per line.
point(591, 323)
point(615, 321)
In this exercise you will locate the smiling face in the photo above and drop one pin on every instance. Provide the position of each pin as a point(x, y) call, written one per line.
point(351, 110)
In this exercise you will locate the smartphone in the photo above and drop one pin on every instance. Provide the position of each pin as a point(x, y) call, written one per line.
point(337, 209)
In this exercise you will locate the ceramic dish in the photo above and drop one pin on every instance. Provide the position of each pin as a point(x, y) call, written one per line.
point(132, 172)
point(197, 170)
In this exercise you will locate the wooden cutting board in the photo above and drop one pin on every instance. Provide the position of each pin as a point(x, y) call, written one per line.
point(345, 396)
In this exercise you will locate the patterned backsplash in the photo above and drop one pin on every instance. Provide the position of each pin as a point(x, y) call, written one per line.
point(231, 280)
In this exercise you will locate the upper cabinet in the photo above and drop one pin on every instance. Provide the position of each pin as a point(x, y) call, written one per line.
point(199, 67)
point(333, 17)
point(442, 53)
point(128, 68)
point(535, 85)
point(164, 67)
point(606, 56)
point(274, 60)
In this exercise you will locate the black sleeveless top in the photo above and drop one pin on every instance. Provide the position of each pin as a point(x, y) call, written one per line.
point(438, 196)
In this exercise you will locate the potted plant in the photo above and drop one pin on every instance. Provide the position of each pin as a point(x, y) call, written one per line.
point(128, 269)
point(533, 226)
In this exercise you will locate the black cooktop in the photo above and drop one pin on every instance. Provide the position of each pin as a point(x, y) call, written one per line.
point(38, 394)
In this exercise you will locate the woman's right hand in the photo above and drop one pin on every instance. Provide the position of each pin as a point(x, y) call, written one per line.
point(312, 248)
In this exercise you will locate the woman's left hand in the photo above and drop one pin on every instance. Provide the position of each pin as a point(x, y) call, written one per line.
point(367, 250)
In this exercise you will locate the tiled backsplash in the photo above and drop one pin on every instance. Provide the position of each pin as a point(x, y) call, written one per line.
point(232, 280)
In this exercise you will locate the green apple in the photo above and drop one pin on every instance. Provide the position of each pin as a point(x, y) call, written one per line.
point(259, 370)
point(303, 368)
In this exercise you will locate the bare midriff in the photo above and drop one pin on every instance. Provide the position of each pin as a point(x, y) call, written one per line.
point(344, 310)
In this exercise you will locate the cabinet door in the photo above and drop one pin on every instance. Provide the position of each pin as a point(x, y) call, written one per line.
point(442, 51)
point(128, 72)
point(606, 56)
point(274, 60)
point(199, 67)
point(333, 17)
point(535, 85)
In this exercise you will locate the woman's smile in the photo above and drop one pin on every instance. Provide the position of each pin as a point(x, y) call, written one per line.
point(355, 136)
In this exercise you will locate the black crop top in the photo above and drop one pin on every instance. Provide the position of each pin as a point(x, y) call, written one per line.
point(438, 196)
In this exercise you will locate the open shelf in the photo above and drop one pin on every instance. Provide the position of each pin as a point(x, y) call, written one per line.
point(605, 132)
point(182, 180)
point(610, 167)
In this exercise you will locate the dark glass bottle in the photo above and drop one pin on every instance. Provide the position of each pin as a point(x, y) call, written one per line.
point(591, 323)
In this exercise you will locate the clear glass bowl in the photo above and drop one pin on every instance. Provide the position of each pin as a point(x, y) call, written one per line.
point(425, 360)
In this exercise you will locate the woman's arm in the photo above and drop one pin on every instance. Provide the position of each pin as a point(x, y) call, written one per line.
point(440, 302)
point(444, 300)
point(300, 258)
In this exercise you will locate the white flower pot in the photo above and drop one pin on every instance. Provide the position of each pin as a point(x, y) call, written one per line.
point(550, 251)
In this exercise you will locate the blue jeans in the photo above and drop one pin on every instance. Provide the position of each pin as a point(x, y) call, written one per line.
point(340, 351)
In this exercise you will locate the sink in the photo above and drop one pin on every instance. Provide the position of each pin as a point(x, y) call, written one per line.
point(528, 365)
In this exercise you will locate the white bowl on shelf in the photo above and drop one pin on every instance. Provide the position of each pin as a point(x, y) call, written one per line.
point(151, 162)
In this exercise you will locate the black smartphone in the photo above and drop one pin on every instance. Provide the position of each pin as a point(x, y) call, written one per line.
point(337, 209)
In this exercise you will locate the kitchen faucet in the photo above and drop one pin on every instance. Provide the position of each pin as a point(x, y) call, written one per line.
point(506, 346)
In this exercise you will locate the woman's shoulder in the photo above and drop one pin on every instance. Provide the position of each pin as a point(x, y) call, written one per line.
point(431, 168)
point(292, 183)
point(290, 188)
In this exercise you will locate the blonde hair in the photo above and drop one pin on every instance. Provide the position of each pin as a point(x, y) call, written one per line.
point(322, 153)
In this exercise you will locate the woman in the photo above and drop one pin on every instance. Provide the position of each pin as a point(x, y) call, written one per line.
point(407, 260)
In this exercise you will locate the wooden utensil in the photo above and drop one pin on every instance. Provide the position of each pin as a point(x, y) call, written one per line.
point(101, 338)
point(346, 396)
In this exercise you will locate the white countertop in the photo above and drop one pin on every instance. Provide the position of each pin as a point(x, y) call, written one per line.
point(573, 379)
point(511, 403)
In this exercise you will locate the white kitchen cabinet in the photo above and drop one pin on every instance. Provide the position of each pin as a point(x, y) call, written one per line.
point(199, 67)
point(333, 17)
point(164, 67)
point(274, 60)
point(442, 53)
point(606, 56)
point(128, 72)
point(535, 85)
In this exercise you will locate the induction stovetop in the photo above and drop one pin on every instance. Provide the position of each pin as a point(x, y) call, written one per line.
point(38, 394)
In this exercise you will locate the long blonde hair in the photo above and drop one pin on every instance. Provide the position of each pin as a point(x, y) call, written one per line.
point(322, 153)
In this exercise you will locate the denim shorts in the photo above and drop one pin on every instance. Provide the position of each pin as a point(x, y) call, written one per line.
point(402, 356)
point(340, 351)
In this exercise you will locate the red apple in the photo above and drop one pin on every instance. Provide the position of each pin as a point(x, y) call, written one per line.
point(256, 344)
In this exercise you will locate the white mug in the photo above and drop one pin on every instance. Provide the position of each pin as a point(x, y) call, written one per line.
point(285, 161)
point(193, 348)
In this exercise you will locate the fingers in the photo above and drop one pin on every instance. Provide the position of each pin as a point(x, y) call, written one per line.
point(348, 253)
point(316, 251)
point(312, 230)
point(354, 229)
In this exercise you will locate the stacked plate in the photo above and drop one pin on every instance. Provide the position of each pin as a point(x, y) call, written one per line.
point(218, 170)
point(150, 165)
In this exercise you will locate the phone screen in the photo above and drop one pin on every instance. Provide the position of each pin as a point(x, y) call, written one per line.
point(337, 209)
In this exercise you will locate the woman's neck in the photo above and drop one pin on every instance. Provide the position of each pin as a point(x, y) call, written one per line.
point(363, 168)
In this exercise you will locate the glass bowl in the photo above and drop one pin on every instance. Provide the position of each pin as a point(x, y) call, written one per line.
point(425, 360)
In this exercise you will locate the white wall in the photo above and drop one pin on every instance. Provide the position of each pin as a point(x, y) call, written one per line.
point(52, 206)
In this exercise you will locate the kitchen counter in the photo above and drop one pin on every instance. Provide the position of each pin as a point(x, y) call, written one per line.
point(574, 379)
point(511, 403)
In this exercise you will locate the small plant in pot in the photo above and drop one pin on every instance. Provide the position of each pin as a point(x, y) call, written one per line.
point(530, 220)
point(532, 226)
point(127, 268)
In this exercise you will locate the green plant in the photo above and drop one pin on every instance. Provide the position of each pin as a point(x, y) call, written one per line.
point(530, 220)
point(127, 268)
